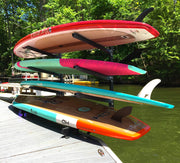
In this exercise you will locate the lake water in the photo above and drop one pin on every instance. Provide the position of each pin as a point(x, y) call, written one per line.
point(162, 143)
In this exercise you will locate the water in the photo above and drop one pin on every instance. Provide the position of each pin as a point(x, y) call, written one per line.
point(162, 143)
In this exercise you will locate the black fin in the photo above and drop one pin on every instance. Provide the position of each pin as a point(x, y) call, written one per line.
point(117, 116)
point(143, 14)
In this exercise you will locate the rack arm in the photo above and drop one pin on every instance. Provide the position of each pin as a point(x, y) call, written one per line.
point(41, 70)
point(99, 46)
point(90, 42)
point(40, 51)
point(92, 73)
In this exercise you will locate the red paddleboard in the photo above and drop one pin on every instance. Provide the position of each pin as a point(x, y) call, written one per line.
point(59, 39)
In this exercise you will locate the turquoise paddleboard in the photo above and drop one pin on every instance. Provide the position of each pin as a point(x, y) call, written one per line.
point(96, 92)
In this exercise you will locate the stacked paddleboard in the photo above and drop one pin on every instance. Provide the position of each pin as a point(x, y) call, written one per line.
point(63, 38)
point(76, 112)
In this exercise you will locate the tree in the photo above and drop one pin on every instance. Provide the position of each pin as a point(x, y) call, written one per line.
point(160, 56)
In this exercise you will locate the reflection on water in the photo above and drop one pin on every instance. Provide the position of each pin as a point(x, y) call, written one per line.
point(162, 143)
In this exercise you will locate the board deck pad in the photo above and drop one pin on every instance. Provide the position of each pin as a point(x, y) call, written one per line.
point(59, 39)
point(97, 92)
point(66, 66)
point(83, 114)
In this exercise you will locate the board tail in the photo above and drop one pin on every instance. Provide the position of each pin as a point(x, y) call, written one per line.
point(148, 88)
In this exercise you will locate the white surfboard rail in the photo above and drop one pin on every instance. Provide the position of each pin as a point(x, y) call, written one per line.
point(37, 140)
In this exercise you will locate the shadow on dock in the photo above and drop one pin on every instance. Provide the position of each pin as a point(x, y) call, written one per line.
point(65, 132)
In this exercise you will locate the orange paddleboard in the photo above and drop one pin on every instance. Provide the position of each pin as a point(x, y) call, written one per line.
point(84, 115)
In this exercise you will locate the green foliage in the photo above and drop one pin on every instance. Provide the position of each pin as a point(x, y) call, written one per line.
point(163, 54)
point(160, 56)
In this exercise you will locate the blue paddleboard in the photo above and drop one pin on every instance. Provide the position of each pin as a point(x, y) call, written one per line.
point(96, 92)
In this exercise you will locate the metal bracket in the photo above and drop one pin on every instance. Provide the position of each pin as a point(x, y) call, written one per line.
point(41, 70)
point(90, 42)
point(49, 72)
point(81, 95)
point(44, 89)
point(99, 46)
point(92, 73)
point(41, 51)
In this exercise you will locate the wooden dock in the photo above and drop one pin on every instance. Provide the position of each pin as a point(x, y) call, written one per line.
point(37, 140)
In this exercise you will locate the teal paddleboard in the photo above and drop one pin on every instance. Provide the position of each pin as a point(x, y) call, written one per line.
point(67, 66)
point(96, 92)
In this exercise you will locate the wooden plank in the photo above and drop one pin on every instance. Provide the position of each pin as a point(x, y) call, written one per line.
point(35, 139)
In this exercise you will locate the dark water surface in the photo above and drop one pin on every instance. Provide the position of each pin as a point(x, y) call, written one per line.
point(162, 143)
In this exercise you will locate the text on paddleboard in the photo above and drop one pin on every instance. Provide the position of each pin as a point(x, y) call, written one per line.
point(41, 32)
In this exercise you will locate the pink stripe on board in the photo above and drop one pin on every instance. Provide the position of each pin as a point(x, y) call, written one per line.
point(18, 64)
point(103, 67)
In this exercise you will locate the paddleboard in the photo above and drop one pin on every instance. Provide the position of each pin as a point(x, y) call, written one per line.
point(59, 39)
point(95, 92)
point(84, 115)
point(67, 66)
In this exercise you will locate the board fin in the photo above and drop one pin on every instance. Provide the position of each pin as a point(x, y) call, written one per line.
point(148, 88)
point(125, 111)
point(144, 14)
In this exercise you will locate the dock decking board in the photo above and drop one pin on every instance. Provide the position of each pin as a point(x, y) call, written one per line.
point(37, 140)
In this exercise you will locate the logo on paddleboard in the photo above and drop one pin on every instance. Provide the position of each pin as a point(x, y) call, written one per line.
point(65, 122)
point(134, 31)
point(41, 32)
